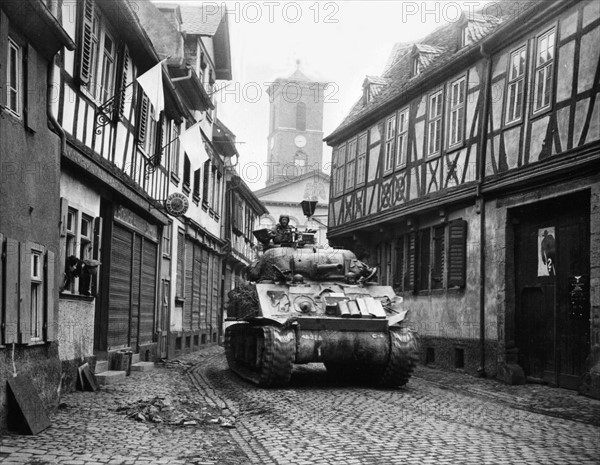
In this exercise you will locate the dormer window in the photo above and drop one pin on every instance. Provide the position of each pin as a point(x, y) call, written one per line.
point(416, 65)
point(464, 38)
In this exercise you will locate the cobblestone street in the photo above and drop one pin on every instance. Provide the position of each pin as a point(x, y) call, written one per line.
point(439, 417)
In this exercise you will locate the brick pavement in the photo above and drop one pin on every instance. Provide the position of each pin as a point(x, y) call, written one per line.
point(89, 430)
point(439, 417)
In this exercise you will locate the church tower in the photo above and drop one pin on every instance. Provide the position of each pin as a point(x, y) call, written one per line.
point(295, 141)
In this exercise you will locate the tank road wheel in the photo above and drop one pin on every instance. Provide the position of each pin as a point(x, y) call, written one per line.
point(404, 354)
point(261, 354)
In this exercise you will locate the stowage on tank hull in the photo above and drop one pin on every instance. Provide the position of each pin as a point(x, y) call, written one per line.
point(312, 308)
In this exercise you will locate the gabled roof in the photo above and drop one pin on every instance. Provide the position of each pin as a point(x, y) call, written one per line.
point(210, 20)
point(202, 20)
point(435, 51)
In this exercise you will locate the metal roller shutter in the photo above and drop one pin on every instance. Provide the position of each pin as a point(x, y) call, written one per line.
point(120, 287)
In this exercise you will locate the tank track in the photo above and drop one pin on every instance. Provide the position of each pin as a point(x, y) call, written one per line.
point(403, 358)
point(404, 354)
point(263, 355)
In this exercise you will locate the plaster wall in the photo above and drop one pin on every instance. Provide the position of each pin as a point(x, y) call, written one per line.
point(76, 329)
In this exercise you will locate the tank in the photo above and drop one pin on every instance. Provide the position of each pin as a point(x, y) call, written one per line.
point(303, 305)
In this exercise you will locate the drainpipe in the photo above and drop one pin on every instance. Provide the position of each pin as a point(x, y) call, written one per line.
point(481, 206)
point(55, 124)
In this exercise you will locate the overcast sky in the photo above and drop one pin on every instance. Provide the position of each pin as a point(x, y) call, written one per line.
point(337, 42)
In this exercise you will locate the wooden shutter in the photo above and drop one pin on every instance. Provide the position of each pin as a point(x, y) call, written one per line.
point(122, 83)
point(411, 261)
point(35, 114)
point(189, 283)
point(86, 44)
point(2, 258)
point(196, 290)
point(49, 286)
point(97, 252)
point(3, 56)
point(142, 123)
point(25, 292)
point(11, 317)
point(457, 253)
point(159, 136)
point(399, 270)
point(148, 292)
point(437, 270)
point(180, 284)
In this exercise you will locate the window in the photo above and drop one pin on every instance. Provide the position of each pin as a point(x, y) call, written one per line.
point(351, 164)
point(107, 76)
point(217, 206)
point(82, 244)
point(151, 126)
point(434, 123)
point(402, 139)
point(196, 191)
point(187, 168)
point(71, 241)
point(516, 83)
point(97, 52)
point(36, 298)
point(301, 116)
point(340, 162)
point(14, 78)
point(463, 36)
point(390, 134)
point(361, 161)
point(206, 183)
point(544, 61)
point(175, 147)
point(432, 258)
point(167, 232)
point(416, 65)
point(456, 123)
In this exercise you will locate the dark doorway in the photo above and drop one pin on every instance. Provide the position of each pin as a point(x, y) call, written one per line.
point(552, 270)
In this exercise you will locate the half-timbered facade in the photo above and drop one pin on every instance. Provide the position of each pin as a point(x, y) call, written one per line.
point(195, 44)
point(469, 173)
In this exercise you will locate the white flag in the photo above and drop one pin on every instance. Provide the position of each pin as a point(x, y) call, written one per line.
point(151, 82)
point(191, 140)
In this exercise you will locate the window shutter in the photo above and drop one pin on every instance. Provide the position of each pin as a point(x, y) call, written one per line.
point(3, 56)
point(50, 285)
point(86, 45)
point(35, 117)
point(121, 94)
point(11, 318)
point(25, 292)
point(180, 263)
point(158, 148)
point(437, 271)
point(411, 261)
point(1, 288)
point(457, 253)
point(97, 252)
point(142, 122)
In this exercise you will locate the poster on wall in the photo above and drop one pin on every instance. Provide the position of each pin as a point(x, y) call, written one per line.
point(546, 252)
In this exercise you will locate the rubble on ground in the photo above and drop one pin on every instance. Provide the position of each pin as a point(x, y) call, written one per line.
point(176, 412)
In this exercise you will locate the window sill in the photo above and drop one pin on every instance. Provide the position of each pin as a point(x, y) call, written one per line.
point(512, 124)
point(79, 297)
point(186, 189)
point(455, 147)
point(540, 113)
point(175, 179)
point(166, 256)
point(196, 199)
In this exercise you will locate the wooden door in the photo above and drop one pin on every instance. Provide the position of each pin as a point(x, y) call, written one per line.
point(552, 294)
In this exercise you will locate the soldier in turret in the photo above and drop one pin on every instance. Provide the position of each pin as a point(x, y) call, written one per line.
point(283, 233)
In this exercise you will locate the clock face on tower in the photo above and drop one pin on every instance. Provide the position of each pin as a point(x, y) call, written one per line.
point(300, 141)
